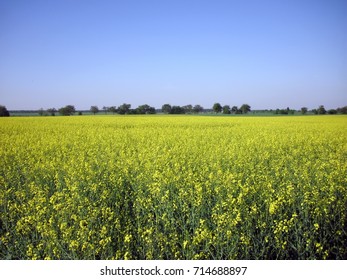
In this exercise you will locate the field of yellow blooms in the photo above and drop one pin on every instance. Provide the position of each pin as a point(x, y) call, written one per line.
point(173, 187)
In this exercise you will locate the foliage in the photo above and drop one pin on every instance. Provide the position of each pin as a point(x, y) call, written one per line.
point(124, 109)
point(4, 112)
point(304, 110)
point(245, 108)
point(51, 111)
point(226, 109)
point(197, 109)
point(41, 112)
point(168, 187)
point(94, 109)
point(217, 108)
point(166, 108)
point(177, 110)
point(145, 109)
point(321, 110)
point(235, 110)
point(67, 110)
point(113, 109)
point(288, 111)
point(188, 109)
point(342, 110)
point(105, 109)
point(332, 112)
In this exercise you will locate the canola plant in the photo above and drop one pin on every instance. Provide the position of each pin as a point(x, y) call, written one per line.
point(173, 187)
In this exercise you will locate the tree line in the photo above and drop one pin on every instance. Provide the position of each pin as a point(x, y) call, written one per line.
point(125, 109)
point(217, 108)
point(318, 111)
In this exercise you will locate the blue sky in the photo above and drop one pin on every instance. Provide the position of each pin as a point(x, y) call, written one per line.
point(269, 54)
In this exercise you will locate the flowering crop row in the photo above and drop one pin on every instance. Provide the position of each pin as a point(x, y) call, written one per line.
point(173, 187)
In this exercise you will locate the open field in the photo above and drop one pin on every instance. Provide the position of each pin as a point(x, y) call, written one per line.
point(173, 187)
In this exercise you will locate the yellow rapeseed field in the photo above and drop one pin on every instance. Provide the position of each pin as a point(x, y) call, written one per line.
point(173, 187)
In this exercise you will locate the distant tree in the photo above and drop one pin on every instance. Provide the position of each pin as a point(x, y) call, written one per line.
point(67, 110)
point(41, 112)
point(166, 108)
point(197, 109)
point(124, 109)
point(284, 111)
point(226, 109)
point(63, 111)
point(315, 111)
point(177, 110)
point(245, 108)
point(131, 112)
point(105, 109)
point(321, 110)
point(51, 111)
point(71, 109)
point(80, 113)
point(234, 109)
point(332, 112)
point(304, 110)
point(342, 110)
point(145, 109)
point(290, 111)
point(141, 109)
point(151, 110)
point(113, 109)
point(188, 108)
point(217, 108)
point(4, 112)
point(94, 109)
point(278, 111)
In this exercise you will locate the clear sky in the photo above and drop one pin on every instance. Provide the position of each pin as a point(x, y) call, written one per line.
point(269, 54)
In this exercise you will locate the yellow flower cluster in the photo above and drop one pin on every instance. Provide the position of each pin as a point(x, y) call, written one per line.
point(173, 187)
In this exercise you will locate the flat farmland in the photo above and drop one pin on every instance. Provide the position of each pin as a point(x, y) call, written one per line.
point(173, 187)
